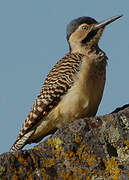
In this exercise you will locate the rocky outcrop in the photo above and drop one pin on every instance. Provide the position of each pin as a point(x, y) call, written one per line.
point(90, 148)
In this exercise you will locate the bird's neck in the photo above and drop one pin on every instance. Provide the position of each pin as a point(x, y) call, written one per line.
point(82, 48)
point(94, 52)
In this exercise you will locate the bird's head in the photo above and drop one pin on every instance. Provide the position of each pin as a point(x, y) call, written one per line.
point(86, 32)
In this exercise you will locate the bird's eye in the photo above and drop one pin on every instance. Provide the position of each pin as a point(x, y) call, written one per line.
point(84, 28)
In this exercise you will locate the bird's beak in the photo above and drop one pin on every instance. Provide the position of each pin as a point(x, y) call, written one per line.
point(106, 22)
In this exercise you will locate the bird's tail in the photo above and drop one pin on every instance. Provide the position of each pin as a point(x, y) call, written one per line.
point(20, 142)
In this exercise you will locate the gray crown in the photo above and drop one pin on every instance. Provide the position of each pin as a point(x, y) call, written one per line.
point(73, 25)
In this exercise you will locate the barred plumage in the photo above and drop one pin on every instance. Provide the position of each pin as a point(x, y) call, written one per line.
point(74, 87)
point(57, 83)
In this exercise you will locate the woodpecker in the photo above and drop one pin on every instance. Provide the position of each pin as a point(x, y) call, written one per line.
point(73, 88)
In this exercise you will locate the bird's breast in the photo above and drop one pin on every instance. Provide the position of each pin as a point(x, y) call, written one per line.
point(83, 98)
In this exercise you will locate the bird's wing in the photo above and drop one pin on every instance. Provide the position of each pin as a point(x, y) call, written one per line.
point(57, 83)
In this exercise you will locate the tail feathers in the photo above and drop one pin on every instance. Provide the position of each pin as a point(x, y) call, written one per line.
point(21, 142)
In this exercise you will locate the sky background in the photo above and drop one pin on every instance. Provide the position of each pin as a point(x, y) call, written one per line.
point(33, 39)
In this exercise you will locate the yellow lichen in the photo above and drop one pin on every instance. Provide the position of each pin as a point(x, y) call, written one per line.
point(127, 144)
point(55, 142)
point(36, 148)
point(112, 168)
point(14, 178)
point(86, 155)
point(70, 176)
point(57, 152)
point(49, 162)
point(68, 155)
point(78, 138)
point(49, 142)
point(80, 151)
point(90, 159)
point(29, 177)
point(22, 160)
point(20, 171)
point(108, 118)
point(65, 175)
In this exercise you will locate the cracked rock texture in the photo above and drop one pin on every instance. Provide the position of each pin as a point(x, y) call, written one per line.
point(91, 148)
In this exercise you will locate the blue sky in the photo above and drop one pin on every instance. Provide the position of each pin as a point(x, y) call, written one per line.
point(33, 39)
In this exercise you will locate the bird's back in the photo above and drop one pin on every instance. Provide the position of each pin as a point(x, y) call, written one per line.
point(57, 83)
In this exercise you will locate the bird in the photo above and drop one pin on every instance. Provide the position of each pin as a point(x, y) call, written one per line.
point(73, 88)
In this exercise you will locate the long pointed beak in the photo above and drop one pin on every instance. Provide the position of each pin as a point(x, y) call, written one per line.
point(106, 22)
